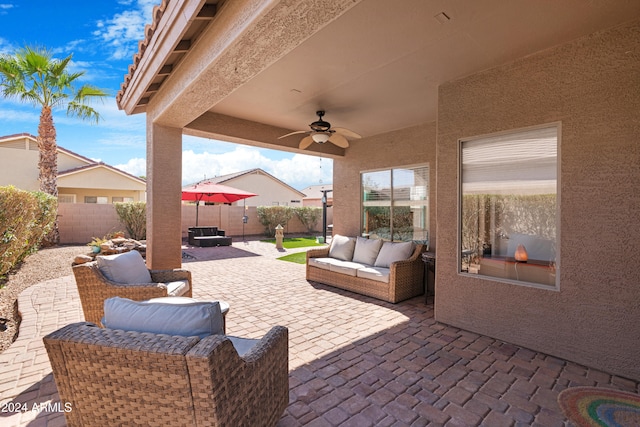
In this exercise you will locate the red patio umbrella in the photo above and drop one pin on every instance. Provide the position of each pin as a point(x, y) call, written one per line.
point(212, 192)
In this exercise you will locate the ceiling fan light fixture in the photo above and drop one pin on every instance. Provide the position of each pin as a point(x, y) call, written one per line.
point(321, 137)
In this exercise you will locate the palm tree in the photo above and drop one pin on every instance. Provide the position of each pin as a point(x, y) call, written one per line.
point(32, 75)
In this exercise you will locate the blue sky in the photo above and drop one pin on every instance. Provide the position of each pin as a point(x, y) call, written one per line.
point(103, 36)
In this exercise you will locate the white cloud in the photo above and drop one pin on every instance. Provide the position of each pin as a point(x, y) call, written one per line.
point(19, 114)
point(6, 47)
point(4, 7)
point(137, 167)
point(111, 118)
point(122, 32)
point(298, 170)
point(302, 170)
point(93, 72)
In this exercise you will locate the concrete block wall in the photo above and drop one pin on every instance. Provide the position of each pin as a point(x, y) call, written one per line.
point(79, 223)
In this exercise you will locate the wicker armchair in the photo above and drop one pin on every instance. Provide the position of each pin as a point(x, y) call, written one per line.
point(112, 377)
point(94, 288)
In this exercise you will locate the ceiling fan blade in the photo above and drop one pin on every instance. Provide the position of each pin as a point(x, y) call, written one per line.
point(348, 133)
point(293, 133)
point(339, 140)
point(305, 142)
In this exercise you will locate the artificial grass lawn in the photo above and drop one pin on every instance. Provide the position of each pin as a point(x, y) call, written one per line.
point(299, 258)
point(296, 242)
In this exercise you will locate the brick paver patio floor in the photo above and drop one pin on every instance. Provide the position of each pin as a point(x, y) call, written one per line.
point(354, 361)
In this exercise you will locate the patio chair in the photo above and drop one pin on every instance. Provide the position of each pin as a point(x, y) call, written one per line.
point(114, 377)
point(125, 275)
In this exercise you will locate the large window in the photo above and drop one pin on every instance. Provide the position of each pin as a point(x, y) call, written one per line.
point(395, 204)
point(509, 206)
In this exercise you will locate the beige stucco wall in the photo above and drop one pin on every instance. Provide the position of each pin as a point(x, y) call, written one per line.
point(19, 163)
point(269, 192)
point(101, 182)
point(411, 146)
point(67, 161)
point(592, 87)
point(19, 167)
point(101, 178)
point(80, 193)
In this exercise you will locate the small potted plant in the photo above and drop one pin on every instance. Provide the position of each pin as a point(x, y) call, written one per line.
point(95, 244)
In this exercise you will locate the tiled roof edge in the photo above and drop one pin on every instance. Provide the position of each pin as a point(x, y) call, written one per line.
point(149, 30)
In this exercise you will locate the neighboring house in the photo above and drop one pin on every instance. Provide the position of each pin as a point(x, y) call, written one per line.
point(270, 190)
point(450, 98)
point(80, 180)
point(313, 195)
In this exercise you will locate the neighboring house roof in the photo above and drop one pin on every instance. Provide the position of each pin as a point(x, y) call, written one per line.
point(257, 171)
point(76, 155)
point(315, 191)
point(17, 136)
point(87, 164)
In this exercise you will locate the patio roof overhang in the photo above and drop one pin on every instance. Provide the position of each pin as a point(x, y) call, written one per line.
point(249, 71)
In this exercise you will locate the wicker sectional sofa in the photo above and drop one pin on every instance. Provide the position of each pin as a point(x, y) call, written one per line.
point(387, 271)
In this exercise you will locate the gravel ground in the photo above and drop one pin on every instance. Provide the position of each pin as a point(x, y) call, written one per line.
point(46, 264)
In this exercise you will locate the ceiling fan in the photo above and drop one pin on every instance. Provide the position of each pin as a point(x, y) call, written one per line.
point(322, 132)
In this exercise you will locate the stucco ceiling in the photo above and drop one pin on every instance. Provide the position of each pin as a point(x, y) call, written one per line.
point(373, 65)
point(378, 67)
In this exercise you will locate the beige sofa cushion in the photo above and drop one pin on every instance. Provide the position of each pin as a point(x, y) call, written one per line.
point(342, 247)
point(346, 267)
point(392, 252)
point(366, 250)
point(379, 274)
point(177, 288)
point(322, 263)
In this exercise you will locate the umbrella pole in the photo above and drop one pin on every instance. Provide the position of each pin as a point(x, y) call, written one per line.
point(197, 205)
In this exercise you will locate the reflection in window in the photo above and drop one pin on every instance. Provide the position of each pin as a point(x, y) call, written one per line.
point(395, 204)
point(509, 208)
point(96, 199)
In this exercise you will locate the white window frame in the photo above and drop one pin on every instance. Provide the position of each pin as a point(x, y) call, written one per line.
point(460, 255)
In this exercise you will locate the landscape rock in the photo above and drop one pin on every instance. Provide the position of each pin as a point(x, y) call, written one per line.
point(81, 259)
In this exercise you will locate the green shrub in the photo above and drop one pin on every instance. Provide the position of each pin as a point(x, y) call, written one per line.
point(308, 216)
point(271, 216)
point(25, 219)
point(133, 216)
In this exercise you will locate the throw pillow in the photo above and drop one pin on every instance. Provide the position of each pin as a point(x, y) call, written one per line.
point(342, 247)
point(185, 319)
point(366, 250)
point(126, 268)
point(392, 252)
